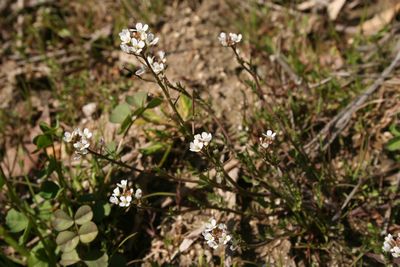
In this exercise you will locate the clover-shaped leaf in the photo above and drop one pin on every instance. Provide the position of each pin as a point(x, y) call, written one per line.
point(69, 258)
point(67, 241)
point(100, 262)
point(16, 221)
point(62, 221)
point(88, 232)
point(83, 215)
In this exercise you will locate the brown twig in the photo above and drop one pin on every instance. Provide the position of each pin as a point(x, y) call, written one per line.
point(326, 136)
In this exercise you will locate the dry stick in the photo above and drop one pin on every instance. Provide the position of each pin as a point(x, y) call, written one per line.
point(341, 120)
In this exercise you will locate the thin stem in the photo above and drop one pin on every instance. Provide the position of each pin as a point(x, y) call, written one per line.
point(167, 95)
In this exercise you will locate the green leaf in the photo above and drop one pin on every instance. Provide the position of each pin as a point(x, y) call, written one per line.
point(154, 102)
point(393, 129)
point(45, 210)
point(152, 149)
point(185, 106)
point(16, 221)
point(69, 258)
point(49, 190)
point(101, 209)
point(62, 220)
point(24, 237)
point(83, 215)
point(125, 124)
point(393, 144)
point(88, 232)
point(120, 112)
point(138, 99)
point(100, 262)
point(67, 241)
point(38, 257)
point(45, 127)
point(42, 141)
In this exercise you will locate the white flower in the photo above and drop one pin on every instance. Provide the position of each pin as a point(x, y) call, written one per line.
point(80, 141)
point(236, 38)
point(392, 245)
point(70, 137)
point(151, 39)
point(225, 238)
point(204, 137)
point(137, 45)
point(196, 146)
point(141, 29)
point(122, 195)
point(395, 252)
point(114, 200)
point(387, 244)
point(212, 244)
point(125, 201)
point(86, 133)
point(125, 36)
point(157, 66)
point(116, 192)
point(161, 56)
point(268, 138)
point(222, 39)
point(67, 137)
point(127, 49)
point(229, 40)
point(138, 193)
point(211, 225)
point(216, 234)
point(81, 146)
point(123, 184)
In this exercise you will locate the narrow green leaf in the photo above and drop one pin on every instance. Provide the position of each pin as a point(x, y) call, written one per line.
point(83, 215)
point(393, 144)
point(125, 124)
point(152, 149)
point(67, 241)
point(62, 220)
point(88, 232)
point(393, 129)
point(16, 221)
point(154, 102)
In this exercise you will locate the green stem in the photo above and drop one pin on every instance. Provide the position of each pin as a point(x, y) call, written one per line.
point(12, 242)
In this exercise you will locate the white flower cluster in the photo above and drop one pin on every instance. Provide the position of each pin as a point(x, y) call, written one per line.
point(134, 41)
point(216, 234)
point(268, 139)
point(230, 39)
point(200, 141)
point(79, 139)
point(122, 194)
point(392, 245)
